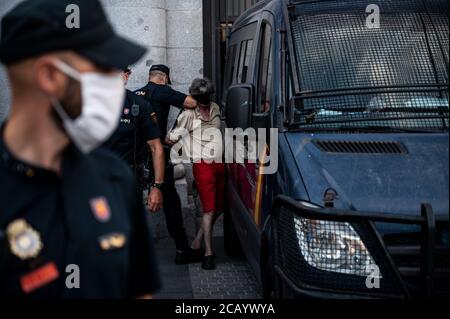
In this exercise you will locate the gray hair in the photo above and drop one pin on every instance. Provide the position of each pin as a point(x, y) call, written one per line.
point(201, 87)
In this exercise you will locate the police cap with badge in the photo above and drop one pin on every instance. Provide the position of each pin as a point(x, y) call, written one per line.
point(156, 67)
point(162, 68)
point(36, 27)
point(89, 208)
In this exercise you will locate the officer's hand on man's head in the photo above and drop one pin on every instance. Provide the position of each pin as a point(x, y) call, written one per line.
point(155, 200)
point(190, 103)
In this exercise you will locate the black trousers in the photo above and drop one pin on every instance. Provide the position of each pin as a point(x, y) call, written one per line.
point(173, 212)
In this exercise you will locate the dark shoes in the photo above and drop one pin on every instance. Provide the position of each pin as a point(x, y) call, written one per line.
point(188, 256)
point(209, 262)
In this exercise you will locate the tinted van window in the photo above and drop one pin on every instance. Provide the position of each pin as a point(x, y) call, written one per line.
point(392, 76)
point(239, 63)
point(230, 66)
point(265, 69)
point(244, 61)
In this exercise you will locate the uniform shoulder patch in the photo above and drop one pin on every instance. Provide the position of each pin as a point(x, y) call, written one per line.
point(154, 117)
point(100, 209)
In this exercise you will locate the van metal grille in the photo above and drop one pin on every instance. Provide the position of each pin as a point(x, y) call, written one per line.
point(411, 251)
point(395, 75)
point(370, 147)
point(406, 252)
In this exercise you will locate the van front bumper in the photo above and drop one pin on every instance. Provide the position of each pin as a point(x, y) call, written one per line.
point(411, 268)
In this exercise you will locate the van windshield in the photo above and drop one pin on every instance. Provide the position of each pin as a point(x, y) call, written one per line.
point(355, 72)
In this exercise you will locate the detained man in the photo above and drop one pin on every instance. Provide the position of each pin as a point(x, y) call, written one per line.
point(196, 128)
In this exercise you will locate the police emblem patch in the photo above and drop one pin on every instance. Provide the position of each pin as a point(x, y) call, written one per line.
point(100, 209)
point(25, 242)
point(112, 241)
point(154, 118)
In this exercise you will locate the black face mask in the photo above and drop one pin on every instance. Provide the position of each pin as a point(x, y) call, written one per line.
point(203, 99)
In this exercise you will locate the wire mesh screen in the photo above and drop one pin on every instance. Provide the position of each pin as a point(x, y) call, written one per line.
point(328, 255)
point(406, 252)
point(435, 21)
point(350, 71)
point(423, 109)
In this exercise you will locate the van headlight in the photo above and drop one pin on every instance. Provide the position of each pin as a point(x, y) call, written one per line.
point(333, 246)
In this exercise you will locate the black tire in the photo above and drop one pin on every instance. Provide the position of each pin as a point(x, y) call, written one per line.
point(232, 244)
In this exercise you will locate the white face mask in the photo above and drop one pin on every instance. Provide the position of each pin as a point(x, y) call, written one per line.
point(102, 102)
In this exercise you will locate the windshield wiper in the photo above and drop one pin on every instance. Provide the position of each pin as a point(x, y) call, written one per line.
point(369, 129)
point(440, 110)
point(375, 129)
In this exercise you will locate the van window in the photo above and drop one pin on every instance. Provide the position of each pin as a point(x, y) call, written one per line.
point(238, 66)
point(230, 66)
point(240, 63)
point(395, 76)
point(244, 61)
point(265, 70)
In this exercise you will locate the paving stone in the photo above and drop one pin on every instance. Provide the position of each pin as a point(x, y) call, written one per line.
point(233, 279)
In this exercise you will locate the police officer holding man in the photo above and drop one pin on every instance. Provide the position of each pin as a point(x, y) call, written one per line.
point(137, 133)
point(161, 96)
point(68, 208)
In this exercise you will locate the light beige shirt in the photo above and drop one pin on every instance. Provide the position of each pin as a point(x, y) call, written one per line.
point(201, 138)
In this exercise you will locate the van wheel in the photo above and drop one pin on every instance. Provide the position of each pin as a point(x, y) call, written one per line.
point(231, 240)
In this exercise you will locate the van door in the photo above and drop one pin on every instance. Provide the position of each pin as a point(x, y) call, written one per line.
point(240, 70)
point(251, 181)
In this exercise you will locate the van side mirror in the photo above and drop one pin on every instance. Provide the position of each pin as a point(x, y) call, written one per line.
point(239, 106)
point(260, 120)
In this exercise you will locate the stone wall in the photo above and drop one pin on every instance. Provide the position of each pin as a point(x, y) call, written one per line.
point(5, 96)
point(170, 29)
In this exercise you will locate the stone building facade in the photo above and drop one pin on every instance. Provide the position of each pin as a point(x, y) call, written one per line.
point(187, 35)
point(172, 31)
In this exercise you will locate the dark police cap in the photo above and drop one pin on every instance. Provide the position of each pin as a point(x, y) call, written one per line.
point(36, 27)
point(162, 68)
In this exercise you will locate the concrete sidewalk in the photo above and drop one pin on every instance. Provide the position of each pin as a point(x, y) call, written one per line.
point(233, 278)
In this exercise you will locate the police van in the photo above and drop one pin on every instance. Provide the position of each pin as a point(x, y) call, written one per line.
point(359, 204)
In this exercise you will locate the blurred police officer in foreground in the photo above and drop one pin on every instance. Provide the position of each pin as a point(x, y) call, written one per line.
point(161, 96)
point(66, 206)
point(137, 134)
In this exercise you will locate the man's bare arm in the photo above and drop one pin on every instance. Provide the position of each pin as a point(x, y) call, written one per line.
point(157, 151)
point(155, 197)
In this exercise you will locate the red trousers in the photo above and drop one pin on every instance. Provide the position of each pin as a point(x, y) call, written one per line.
point(210, 180)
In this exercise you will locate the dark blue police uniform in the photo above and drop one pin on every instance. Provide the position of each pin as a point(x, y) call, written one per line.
point(138, 124)
point(161, 97)
point(89, 216)
point(87, 219)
